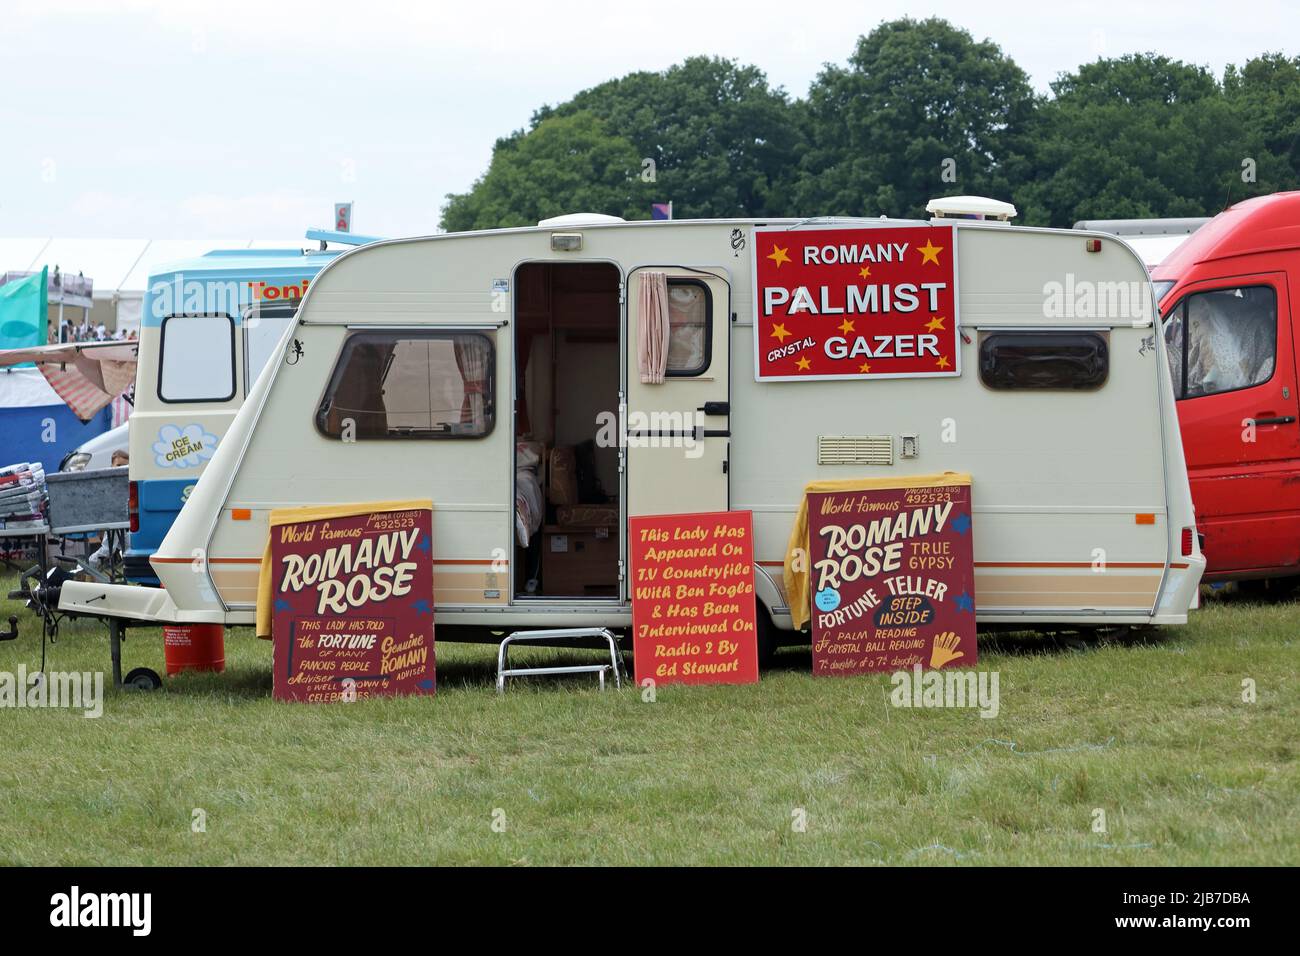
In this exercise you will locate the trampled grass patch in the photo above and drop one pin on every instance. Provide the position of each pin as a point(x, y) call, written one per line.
point(1151, 731)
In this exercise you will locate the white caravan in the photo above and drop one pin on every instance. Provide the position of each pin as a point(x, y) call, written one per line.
point(482, 371)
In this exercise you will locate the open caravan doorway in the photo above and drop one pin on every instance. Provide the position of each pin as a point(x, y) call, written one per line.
point(567, 382)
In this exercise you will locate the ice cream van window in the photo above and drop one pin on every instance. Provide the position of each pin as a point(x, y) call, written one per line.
point(263, 325)
point(410, 385)
point(1070, 360)
point(198, 359)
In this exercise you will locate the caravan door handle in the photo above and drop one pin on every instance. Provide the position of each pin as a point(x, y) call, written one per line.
point(1277, 420)
point(715, 408)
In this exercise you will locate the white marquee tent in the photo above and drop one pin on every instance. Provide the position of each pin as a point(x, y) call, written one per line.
point(119, 267)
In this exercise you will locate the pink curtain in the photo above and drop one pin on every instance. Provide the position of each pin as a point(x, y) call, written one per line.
point(652, 327)
point(472, 359)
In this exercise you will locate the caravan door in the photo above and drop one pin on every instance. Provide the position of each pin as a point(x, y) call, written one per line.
point(678, 430)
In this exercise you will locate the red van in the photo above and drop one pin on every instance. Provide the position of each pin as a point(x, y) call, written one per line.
point(1226, 300)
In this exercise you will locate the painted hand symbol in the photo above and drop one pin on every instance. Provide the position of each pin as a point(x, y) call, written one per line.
point(944, 649)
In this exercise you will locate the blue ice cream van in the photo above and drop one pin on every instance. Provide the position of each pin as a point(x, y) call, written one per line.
point(208, 326)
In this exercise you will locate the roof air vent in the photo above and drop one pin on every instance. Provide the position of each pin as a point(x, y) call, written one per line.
point(970, 207)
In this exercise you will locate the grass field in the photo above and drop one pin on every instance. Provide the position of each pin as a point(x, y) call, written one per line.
point(1153, 732)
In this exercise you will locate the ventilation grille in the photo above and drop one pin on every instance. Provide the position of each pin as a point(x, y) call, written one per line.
point(855, 449)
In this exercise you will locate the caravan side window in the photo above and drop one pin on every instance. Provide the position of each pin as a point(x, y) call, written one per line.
point(197, 363)
point(1222, 341)
point(690, 326)
point(1073, 360)
point(411, 385)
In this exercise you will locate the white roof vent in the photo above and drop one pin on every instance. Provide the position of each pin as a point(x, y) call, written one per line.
point(578, 219)
point(970, 207)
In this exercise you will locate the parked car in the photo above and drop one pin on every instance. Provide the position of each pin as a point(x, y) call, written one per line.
point(98, 452)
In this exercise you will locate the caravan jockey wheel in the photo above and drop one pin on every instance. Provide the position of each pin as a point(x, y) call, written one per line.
point(142, 678)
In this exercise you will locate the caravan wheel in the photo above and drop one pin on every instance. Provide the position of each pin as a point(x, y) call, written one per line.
point(142, 678)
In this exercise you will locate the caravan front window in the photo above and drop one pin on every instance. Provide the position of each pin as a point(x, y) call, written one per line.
point(1032, 359)
point(410, 385)
point(198, 359)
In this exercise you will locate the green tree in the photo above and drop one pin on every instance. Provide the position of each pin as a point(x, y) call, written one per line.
point(1137, 136)
point(563, 164)
point(918, 99)
point(707, 134)
point(1265, 93)
point(920, 109)
point(721, 140)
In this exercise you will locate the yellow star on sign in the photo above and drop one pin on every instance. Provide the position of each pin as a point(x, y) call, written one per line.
point(803, 364)
point(780, 333)
point(846, 326)
point(943, 361)
point(929, 252)
point(934, 323)
point(864, 272)
point(864, 367)
point(778, 255)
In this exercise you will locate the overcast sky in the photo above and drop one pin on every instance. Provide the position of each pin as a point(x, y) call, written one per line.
point(228, 118)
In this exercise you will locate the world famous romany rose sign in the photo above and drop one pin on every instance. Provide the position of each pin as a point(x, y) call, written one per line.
point(891, 573)
point(350, 595)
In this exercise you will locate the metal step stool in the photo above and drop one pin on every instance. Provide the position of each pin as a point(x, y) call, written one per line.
point(600, 670)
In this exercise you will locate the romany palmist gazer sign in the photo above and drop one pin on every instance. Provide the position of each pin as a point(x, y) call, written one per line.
point(855, 302)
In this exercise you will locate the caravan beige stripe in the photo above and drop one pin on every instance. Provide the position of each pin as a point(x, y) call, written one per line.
point(238, 585)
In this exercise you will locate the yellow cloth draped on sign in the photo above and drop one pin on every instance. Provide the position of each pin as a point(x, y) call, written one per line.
point(283, 516)
point(796, 581)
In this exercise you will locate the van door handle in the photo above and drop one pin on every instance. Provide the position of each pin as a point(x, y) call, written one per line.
point(715, 408)
point(1279, 420)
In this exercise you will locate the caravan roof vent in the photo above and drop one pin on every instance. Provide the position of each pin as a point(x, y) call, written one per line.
point(578, 219)
point(970, 207)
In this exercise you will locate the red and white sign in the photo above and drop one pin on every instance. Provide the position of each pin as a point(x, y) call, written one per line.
point(693, 612)
point(855, 303)
point(343, 217)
